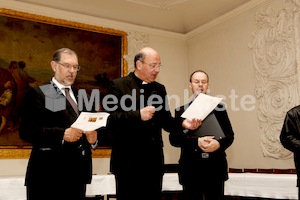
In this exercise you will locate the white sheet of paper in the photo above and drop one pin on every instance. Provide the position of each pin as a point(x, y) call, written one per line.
point(201, 107)
point(88, 121)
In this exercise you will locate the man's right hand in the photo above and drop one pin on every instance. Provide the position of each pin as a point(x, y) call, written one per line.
point(72, 134)
point(147, 113)
point(191, 124)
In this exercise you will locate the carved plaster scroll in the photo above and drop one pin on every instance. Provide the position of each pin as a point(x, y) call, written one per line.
point(276, 57)
point(136, 41)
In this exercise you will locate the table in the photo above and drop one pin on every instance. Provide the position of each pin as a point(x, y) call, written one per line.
point(276, 186)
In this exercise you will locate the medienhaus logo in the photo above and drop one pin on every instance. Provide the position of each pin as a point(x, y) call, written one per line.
point(54, 99)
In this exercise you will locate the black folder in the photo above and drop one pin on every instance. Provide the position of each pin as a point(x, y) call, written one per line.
point(210, 127)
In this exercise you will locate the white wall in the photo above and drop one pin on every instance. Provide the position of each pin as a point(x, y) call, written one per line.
point(220, 48)
point(173, 76)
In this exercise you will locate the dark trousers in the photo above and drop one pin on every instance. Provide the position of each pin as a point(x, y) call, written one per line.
point(202, 179)
point(207, 189)
point(146, 186)
point(56, 191)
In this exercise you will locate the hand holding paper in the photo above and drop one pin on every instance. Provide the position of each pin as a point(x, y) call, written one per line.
point(201, 107)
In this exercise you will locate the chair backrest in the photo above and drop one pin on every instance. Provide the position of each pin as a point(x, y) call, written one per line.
point(171, 168)
point(235, 170)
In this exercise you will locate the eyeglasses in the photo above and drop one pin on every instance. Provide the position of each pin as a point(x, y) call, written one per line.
point(153, 65)
point(68, 66)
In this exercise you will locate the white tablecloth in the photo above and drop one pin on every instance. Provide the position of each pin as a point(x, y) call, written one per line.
point(277, 186)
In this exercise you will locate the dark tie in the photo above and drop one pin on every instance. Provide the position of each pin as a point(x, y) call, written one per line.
point(71, 101)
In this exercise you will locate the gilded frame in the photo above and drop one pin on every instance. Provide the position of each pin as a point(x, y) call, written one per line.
point(17, 152)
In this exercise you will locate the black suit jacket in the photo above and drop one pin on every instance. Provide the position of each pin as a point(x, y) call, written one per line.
point(290, 136)
point(191, 154)
point(51, 159)
point(137, 145)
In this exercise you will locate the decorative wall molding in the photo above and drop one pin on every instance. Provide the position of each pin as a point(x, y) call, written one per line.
point(136, 41)
point(276, 56)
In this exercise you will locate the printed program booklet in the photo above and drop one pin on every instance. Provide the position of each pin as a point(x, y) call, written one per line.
point(88, 121)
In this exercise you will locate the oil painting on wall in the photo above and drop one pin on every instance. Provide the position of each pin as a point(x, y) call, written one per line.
point(27, 43)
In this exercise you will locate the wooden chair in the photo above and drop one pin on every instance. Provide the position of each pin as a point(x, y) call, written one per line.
point(235, 170)
point(250, 170)
point(267, 171)
point(111, 196)
point(97, 197)
point(293, 171)
point(171, 168)
point(282, 171)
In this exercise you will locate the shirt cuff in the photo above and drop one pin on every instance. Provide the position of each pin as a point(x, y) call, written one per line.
point(94, 146)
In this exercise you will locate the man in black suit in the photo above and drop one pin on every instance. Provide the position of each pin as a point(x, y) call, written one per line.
point(60, 164)
point(136, 123)
point(290, 138)
point(202, 164)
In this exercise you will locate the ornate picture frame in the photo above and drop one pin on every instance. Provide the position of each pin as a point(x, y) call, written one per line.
point(32, 39)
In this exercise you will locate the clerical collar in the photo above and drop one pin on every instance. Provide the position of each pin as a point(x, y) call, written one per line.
point(141, 82)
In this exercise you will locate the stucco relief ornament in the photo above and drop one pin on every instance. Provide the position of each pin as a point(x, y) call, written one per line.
point(276, 50)
point(136, 41)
